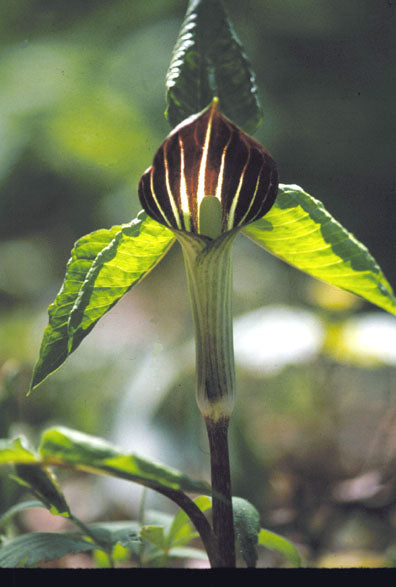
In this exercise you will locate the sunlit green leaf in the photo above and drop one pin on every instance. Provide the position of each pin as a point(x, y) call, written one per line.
point(134, 251)
point(104, 265)
point(156, 536)
point(299, 230)
point(31, 549)
point(69, 447)
point(209, 61)
point(64, 447)
point(279, 544)
point(182, 530)
point(119, 554)
point(31, 474)
point(54, 346)
point(247, 527)
point(13, 451)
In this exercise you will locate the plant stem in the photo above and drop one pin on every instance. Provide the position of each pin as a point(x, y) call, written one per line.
point(198, 519)
point(142, 507)
point(223, 522)
point(209, 275)
point(87, 530)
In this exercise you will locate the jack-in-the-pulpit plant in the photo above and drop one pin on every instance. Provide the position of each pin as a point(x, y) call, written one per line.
point(209, 182)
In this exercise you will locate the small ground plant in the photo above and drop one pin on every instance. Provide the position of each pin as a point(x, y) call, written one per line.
point(210, 181)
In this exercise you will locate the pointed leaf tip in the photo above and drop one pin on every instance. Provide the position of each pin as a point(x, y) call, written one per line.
point(209, 60)
point(300, 231)
point(103, 267)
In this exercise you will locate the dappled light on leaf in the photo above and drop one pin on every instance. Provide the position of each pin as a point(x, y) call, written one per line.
point(299, 230)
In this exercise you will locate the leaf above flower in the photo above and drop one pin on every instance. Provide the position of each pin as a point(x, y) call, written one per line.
point(208, 60)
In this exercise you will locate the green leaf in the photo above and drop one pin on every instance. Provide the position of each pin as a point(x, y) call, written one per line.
point(44, 485)
point(279, 544)
point(182, 530)
point(119, 554)
point(208, 61)
point(72, 448)
point(157, 518)
point(104, 265)
point(247, 527)
point(54, 346)
point(31, 549)
point(29, 473)
point(18, 508)
point(299, 230)
point(125, 533)
point(13, 451)
point(155, 535)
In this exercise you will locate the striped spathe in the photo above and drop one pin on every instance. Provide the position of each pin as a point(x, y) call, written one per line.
point(208, 155)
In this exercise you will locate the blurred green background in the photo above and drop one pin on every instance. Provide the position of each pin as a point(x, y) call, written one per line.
point(313, 438)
